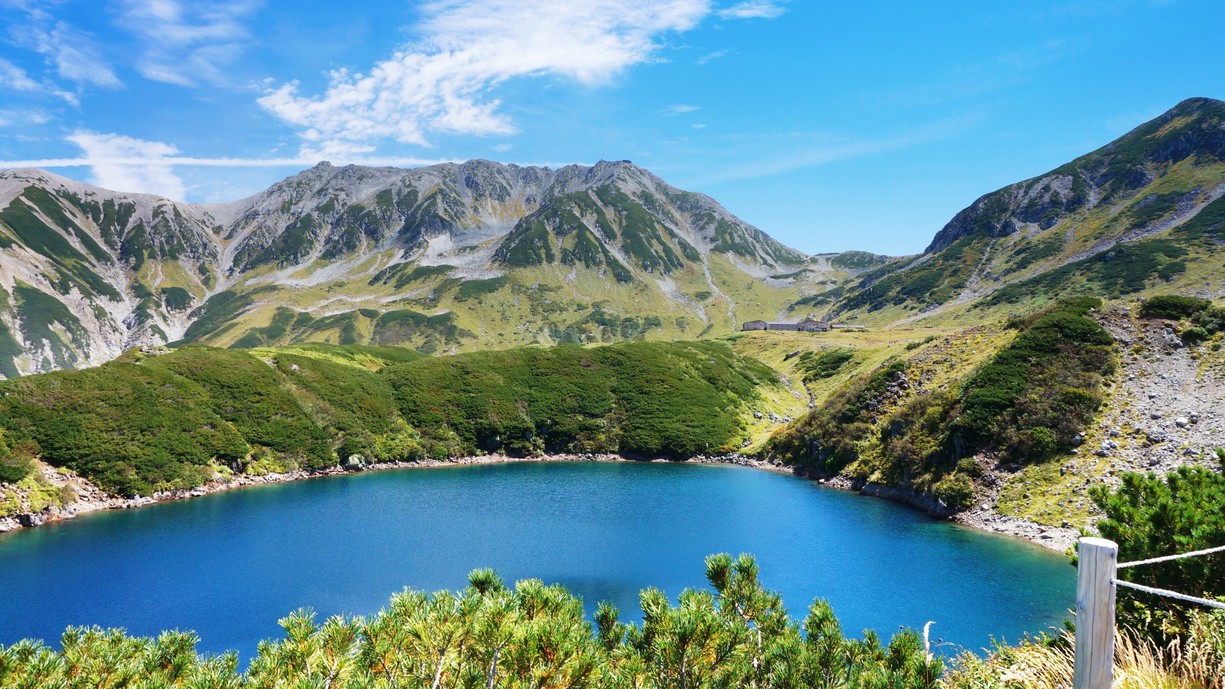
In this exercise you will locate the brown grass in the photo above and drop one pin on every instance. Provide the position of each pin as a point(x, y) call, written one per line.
point(1197, 661)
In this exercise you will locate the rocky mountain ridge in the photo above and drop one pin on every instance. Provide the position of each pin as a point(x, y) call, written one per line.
point(88, 273)
point(1144, 211)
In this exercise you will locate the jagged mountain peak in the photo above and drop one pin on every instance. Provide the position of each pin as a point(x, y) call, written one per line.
point(367, 252)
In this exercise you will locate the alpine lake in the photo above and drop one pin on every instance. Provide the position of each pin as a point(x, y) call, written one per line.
point(230, 565)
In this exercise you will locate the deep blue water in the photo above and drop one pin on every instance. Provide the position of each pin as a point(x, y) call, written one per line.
point(230, 565)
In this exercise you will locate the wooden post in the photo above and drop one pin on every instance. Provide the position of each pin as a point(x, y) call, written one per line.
point(1095, 574)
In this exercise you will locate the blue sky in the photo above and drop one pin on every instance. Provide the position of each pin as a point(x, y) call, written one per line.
point(831, 126)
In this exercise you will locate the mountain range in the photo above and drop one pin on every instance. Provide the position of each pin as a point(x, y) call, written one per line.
point(483, 255)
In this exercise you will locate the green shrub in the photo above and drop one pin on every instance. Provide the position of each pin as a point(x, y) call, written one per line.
point(14, 466)
point(1035, 395)
point(828, 438)
point(735, 633)
point(1193, 335)
point(1151, 516)
point(955, 490)
point(1212, 319)
point(818, 366)
point(1172, 306)
point(129, 427)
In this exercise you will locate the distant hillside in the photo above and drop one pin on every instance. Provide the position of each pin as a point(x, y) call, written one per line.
point(442, 258)
point(1141, 213)
point(177, 419)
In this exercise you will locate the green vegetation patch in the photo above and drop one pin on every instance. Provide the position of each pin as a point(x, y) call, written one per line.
point(857, 260)
point(276, 331)
point(288, 248)
point(43, 317)
point(934, 281)
point(1033, 397)
point(248, 394)
point(475, 289)
point(156, 422)
point(219, 311)
point(1172, 306)
point(176, 298)
point(824, 364)
point(653, 399)
point(528, 244)
point(131, 428)
point(1152, 516)
point(642, 237)
point(72, 267)
point(1125, 269)
point(404, 274)
point(352, 400)
point(1027, 402)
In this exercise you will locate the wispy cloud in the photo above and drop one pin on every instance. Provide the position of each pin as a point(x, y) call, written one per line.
point(186, 43)
point(15, 78)
point(22, 116)
point(798, 151)
point(709, 57)
point(754, 9)
point(443, 81)
point(71, 54)
point(681, 109)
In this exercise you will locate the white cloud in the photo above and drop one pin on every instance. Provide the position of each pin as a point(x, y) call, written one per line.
point(708, 57)
point(71, 54)
point(443, 81)
point(110, 154)
point(187, 43)
point(23, 117)
point(679, 109)
point(753, 9)
point(15, 78)
point(503, 147)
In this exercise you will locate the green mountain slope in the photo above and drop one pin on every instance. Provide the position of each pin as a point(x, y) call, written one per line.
point(177, 419)
point(443, 258)
point(1141, 213)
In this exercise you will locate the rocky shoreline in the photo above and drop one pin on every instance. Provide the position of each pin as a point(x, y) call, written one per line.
point(92, 499)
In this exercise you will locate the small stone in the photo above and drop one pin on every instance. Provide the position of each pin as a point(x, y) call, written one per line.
point(1182, 422)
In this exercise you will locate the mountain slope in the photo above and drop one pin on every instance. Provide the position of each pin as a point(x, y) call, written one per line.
point(1140, 212)
point(86, 273)
point(447, 257)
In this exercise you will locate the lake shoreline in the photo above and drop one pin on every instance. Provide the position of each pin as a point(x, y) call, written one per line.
point(95, 500)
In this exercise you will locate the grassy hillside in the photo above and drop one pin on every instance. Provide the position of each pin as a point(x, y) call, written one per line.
point(916, 420)
point(1142, 215)
point(177, 419)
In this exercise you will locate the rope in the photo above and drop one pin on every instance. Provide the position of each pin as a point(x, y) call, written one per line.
point(1167, 558)
point(1172, 594)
